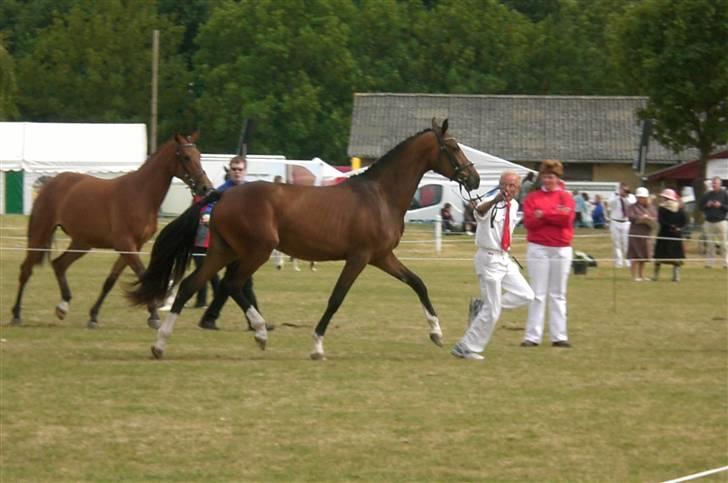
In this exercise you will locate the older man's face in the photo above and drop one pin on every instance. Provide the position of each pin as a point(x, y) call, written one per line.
point(510, 184)
point(716, 184)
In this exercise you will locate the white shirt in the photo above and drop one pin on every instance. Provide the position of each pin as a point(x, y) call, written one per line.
point(489, 232)
point(615, 207)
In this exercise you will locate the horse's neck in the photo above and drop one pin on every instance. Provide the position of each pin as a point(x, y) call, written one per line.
point(153, 179)
point(400, 178)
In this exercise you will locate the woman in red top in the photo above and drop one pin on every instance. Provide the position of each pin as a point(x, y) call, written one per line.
point(549, 214)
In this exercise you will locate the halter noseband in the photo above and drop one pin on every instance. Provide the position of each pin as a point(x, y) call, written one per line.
point(458, 170)
point(190, 179)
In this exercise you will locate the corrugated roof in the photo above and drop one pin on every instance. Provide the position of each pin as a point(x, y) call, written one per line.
point(518, 128)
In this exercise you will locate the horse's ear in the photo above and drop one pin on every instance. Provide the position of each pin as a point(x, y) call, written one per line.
point(435, 126)
point(444, 127)
point(194, 137)
point(180, 139)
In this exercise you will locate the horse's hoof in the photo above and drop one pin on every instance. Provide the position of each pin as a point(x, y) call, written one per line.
point(92, 324)
point(157, 353)
point(62, 310)
point(317, 356)
point(153, 323)
point(436, 339)
point(261, 342)
point(16, 321)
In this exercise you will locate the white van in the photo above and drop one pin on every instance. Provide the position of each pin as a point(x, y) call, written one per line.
point(432, 194)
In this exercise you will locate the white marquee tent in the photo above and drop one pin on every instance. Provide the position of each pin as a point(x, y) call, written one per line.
point(30, 151)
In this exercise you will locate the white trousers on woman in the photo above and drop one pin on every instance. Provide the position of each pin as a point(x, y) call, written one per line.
point(548, 271)
point(501, 287)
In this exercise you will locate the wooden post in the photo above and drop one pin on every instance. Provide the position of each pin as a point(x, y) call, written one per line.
point(155, 75)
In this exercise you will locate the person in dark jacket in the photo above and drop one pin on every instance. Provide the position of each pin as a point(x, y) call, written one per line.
point(669, 246)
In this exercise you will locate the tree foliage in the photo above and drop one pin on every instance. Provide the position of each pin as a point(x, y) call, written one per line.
point(8, 86)
point(94, 63)
point(294, 65)
point(675, 53)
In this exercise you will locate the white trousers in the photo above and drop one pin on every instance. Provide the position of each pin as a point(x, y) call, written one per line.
point(620, 240)
point(548, 271)
point(716, 232)
point(501, 287)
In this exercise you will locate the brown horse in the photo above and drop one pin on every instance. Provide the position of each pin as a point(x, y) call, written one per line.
point(360, 221)
point(119, 213)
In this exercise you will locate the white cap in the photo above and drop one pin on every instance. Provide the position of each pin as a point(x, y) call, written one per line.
point(642, 192)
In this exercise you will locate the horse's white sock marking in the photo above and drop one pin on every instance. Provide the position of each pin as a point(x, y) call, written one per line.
point(63, 306)
point(318, 343)
point(165, 330)
point(258, 323)
point(434, 323)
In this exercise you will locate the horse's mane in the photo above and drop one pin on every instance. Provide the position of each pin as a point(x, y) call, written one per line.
point(387, 159)
point(166, 146)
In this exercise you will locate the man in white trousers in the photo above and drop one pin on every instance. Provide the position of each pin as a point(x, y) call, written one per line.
point(501, 284)
point(617, 205)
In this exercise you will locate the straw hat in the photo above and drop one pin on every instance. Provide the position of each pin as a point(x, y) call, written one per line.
point(642, 192)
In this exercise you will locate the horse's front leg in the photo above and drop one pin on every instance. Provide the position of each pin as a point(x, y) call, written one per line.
point(391, 265)
point(351, 271)
point(116, 270)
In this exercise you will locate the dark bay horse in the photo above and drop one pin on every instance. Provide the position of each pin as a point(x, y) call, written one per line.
point(360, 221)
point(119, 213)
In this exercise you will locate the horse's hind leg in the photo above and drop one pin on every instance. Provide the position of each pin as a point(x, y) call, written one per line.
point(214, 261)
point(60, 265)
point(26, 270)
point(133, 260)
point(351, 271)
point(116, 270)
point(391, 265)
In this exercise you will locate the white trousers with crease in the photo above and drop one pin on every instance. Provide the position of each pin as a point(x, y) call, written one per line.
point(501, 287)
point(620, 240)
point(548, 271)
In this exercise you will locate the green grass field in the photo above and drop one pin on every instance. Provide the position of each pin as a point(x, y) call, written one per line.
point(642, 396)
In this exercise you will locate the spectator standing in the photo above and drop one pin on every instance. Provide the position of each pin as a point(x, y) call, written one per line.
point(714, 204)
point(236, 176)
point(526, 187)
point(580, 208)
point(598, 219)
point(549, 219)
point(619, 223)
point(586, 213)
point(669, 245)
point(501, 284)
point(199, 251)
point(643, 219)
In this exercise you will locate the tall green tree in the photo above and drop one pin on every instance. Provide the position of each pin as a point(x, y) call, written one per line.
point(93, 64)
point(568, 52)
point(674, 51)
point(472, 47)
point(8, 86)
point(285, 64)
point(385, 44)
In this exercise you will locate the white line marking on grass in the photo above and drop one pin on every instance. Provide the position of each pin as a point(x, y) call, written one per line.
point(698, 475)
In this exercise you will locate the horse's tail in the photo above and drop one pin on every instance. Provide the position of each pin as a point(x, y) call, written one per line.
point(170, 255)
point(41, 226)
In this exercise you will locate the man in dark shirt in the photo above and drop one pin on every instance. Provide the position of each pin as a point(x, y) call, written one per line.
point(714, 204)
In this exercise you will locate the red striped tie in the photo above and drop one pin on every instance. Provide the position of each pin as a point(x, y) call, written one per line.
point(506, 240)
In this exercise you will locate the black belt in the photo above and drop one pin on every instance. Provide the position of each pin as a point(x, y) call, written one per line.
point(621, 221)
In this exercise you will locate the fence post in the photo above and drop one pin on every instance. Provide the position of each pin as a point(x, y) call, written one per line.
point(438, 234)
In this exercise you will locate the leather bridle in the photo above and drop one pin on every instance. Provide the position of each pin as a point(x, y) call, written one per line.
point(193, 180)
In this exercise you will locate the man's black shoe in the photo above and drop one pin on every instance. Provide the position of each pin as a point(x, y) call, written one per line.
point(208, 325)
point(561, 343)
point(528, 343)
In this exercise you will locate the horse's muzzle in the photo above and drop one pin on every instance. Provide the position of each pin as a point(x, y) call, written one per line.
point(472, 182)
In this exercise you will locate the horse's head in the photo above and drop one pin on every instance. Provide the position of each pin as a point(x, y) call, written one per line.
point(189, 165)
point(451, 162)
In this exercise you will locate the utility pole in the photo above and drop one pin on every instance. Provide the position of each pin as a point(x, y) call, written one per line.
point(155, 75)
